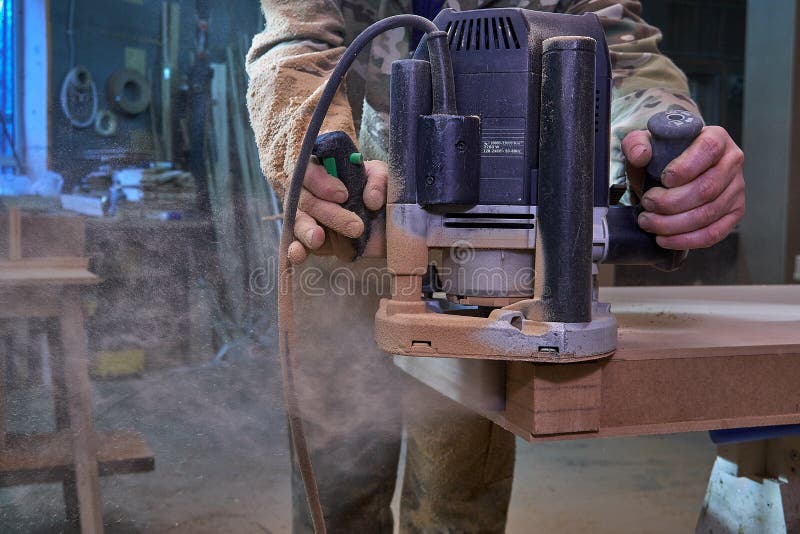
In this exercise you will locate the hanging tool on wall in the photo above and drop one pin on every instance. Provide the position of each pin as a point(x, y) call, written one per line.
point(78, 96)
point(128, 91)
point(502, 182)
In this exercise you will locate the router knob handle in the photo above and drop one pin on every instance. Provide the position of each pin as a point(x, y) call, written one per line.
point(671, 133)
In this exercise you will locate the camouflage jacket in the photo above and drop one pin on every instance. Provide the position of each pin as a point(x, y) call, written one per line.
point(290, 60)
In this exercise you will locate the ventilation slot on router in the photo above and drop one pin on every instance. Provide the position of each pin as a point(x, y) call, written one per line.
point(466, 215)
point(490, 225)
point(495, 33)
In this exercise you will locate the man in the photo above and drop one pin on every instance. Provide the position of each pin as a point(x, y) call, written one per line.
point(458, 466)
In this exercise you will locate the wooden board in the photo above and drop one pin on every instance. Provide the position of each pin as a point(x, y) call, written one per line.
point(689, 358)
point(18, 277)
point(676, 322)
point(52, 262)
point(79, 407)
point(14, 234)
point(42, 235)
point(47, 457)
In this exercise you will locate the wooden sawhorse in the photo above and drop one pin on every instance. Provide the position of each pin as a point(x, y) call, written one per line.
point(76, 455)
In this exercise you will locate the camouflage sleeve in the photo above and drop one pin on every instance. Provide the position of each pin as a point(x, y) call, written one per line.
point(288, 64)
point(645, 81)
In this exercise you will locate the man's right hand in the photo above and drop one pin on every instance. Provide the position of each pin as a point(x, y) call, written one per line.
point(324, 227)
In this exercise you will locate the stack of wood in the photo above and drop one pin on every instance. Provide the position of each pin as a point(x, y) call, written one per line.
point(155, 190)
point(96, 183)
point(168, 189)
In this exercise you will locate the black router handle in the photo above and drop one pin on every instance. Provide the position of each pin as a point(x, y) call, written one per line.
point(672, 132)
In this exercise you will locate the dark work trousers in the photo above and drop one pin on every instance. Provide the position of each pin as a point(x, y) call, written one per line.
point(459, 466)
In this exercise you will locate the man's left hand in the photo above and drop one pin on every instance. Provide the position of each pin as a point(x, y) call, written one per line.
point(702, 200)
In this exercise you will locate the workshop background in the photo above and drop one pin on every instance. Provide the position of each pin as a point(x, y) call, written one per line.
point(126, 142)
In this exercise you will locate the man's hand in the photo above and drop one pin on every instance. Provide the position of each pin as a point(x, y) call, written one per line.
point(324, 227)
point(703, 197)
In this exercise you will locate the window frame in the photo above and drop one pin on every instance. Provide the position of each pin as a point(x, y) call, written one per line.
point(32, 137)
point(31, 123)
point(8, 161)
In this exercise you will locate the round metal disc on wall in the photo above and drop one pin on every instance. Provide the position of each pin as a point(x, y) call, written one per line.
point(128, 91)
point(105, 123)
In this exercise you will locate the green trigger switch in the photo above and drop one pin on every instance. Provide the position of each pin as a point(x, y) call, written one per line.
point(330, 167)
point(340, 157)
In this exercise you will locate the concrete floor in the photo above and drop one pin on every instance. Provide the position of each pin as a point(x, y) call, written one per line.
point(218, 434)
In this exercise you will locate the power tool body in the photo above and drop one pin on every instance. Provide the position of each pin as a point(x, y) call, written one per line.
point(498, 216)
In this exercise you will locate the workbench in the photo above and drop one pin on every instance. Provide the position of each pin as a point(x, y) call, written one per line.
point(688, 359)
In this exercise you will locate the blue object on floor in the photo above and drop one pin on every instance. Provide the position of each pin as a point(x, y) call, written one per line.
point(740, 435)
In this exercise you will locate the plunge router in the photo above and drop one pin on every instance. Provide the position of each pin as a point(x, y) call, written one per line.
point(497, 216)
point(498, 206)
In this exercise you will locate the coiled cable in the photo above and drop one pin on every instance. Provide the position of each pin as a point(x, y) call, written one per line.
point(78, 85)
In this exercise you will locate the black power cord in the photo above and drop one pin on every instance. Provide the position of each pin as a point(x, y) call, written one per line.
point(443, 103)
